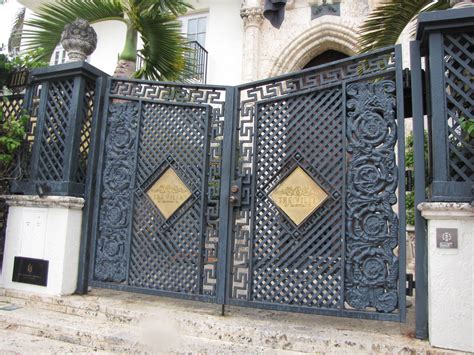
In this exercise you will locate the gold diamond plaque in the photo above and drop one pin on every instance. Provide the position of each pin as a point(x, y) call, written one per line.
point(298, 196)
point(168, 193)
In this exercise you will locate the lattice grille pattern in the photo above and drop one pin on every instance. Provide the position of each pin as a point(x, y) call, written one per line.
point(166, 253)
point(86, 127)
point(182, 245)
point(53, 136)
point(299, 265)
point(284, 123)
point(11, 106)
point(459, 76)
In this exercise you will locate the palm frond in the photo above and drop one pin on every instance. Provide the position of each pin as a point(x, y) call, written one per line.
point(45, 29)
point(387, 21)
point(14, 41)
point(175, 7)
point(163, 47)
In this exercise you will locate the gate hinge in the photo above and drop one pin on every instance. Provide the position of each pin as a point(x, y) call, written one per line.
point(411, 285)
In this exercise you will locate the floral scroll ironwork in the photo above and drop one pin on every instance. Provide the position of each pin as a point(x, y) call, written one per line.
point(115, 217)
point(372, 268)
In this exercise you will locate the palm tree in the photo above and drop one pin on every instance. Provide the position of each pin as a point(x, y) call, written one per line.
point(387, 21)
point(154, 20)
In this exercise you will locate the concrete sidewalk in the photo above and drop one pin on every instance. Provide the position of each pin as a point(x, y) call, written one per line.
point(112, 321)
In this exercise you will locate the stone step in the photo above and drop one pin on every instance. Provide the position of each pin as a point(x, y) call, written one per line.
point(14, 342)
point(192, 322)
point(59, 332)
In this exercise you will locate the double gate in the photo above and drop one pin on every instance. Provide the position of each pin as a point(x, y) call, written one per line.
point(277, 194)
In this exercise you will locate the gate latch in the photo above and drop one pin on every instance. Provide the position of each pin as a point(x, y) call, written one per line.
point(236, 193)
point(411, 285)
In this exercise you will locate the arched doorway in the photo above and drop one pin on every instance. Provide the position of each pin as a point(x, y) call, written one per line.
point(325, 39)
point(324, 58)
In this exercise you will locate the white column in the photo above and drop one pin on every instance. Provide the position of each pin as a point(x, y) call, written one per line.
point(450, 274)
point(253, 18)
point(47, 228)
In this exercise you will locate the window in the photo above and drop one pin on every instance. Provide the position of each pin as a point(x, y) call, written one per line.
point(59, 56)
point(196, 30)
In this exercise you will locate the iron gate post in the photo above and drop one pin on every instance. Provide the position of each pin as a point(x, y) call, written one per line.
point(421, 269)
point(58, 162)
point(90, 187)
point(226, 208)
point(445, 37)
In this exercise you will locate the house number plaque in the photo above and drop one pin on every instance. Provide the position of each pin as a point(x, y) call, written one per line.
point(447, 238)
point(30, 271)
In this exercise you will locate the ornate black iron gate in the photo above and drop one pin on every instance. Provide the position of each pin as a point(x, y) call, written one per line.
point(276, 194)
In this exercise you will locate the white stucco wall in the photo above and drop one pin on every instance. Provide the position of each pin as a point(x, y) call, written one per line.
point(224, 42)
point(450, 277)
point(47, 231)
point(7, 16)
point(110, 41)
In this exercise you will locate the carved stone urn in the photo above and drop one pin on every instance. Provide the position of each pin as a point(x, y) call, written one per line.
point(79, 40)
point(456, 4)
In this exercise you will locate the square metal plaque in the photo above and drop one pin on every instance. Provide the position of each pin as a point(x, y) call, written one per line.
point(169, 193)
point(447, 238)
point(298, 196)
point(30, 271)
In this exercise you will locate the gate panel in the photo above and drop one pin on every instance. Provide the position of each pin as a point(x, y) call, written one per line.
point(155, 228)
point(334, 251)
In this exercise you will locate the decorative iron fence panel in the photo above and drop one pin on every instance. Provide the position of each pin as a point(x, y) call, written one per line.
point(156, 225)
point(276, 194)
point(458, 52)
point(336, 127)
point(11, 106)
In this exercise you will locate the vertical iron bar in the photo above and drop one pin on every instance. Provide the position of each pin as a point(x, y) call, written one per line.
point(343, 193)
point(401, 182)
point(41, 117)
point(438, 110)
point(95, 212)
point(91, 185)
point(421, 262)
point(225, 208)
point(73, 130)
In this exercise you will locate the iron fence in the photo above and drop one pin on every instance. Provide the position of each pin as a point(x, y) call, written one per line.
point(11, 106)
point(447, 43)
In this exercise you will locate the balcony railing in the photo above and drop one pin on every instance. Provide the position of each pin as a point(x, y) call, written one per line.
point(196, 60)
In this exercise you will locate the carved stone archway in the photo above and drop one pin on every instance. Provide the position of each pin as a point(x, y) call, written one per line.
point(319, 38)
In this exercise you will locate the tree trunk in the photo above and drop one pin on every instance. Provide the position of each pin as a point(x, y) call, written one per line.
point(128, 58)
point(124, 68)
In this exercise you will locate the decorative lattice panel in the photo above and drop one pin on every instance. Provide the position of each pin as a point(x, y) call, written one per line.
point(459, 74)
point(298, 264)
point(302, 121)
point(86, 128)
point(53, 136)
point(178, 128)
point(11, 107)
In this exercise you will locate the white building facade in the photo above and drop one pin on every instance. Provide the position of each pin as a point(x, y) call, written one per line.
point(242, 46)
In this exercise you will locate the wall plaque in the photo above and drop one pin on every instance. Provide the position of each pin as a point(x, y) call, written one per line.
point(168, 193)
point(30, 271)
point(447, 238)
point(298, 196)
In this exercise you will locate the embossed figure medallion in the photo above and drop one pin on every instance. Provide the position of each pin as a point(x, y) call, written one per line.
point(298, 196)
point(168, 193)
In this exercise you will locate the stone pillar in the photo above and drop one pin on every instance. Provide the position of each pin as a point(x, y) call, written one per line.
point(450, 274)
point(253, 18)
point(47, 229)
